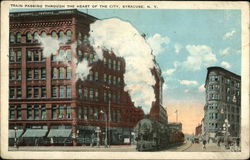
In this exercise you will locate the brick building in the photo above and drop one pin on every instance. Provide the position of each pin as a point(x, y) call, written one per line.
point(223, 102)
point(47, 104)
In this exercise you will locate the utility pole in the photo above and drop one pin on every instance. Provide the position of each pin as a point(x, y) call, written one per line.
point(176, 112)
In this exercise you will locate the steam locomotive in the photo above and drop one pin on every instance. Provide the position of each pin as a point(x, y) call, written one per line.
point(151, 134)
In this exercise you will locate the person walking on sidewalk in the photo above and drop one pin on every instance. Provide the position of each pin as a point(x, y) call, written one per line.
point(204, 144)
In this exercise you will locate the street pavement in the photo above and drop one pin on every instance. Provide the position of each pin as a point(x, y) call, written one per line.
point(185, 147)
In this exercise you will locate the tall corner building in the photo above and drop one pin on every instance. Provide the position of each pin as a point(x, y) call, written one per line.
point(223, 102)
point(47, 104)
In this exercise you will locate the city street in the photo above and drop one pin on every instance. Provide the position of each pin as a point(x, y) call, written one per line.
point(113, 148)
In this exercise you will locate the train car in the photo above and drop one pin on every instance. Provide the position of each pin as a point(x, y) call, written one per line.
point(155, 135)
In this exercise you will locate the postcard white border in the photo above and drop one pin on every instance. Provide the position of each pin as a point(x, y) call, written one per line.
point(244, 154)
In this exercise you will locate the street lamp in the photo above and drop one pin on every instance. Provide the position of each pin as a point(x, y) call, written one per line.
point(106, 130)
point(15, 140)
point(108, 119)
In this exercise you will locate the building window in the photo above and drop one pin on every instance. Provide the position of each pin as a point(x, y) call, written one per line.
point(118, 65)
point(96, 114)
point(96, 95)
point(19, 74)
point(36, 37)
point(105, 61)
point(43, 92)
point(12, 75)
point(61, 73)
point(36, 56)
point(12, 113)
point(86, 93)
point(228, 98)
point(54, 112)
point(43, 112)
point(79, 112)
point(90, 113)
point(110, 79)
point(114, 65)
point(43, 34)
point(28, 37)
point(55, 73)
point(61, 53)
point(29, 112)
point(80, 92)
point(68, 112)
point(68, 34)
point(29, 56)
point(29, 92)
point(68, 55)
point(110, 63)
point(62, 92)
point(61, 112)
point(12, 93)
point(12, 38)
point(29, 74)
point(19, 112)
point(105, 77)
point(96, 76)
point(54, 92)
point(91, 75)
point(19, 56)
point(36, 92)
point(91, 93)
point(53, 35)
point(85, 39)
point(119, 81)
point(36, 74)
point(68, 92)
point(36, 112)
point(114, 80)
point(18, 37)
point(85, 113)
point(19, 92)
point(43, 76)
point(68, 73)
point(118, 116)
point(91, 58)
point(12, 56)
point(105, 96)
point(118, 97)
point(61, 35)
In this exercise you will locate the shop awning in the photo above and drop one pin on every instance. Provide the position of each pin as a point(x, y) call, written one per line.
point(59, 133)
point(35, 133)
point(12, 133)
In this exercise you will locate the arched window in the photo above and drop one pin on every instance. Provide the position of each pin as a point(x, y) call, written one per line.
point(61, 53)
point(91, 75)
point(54, 35)
point(12, 38)
point(28, 37)
point(68, 34)
point(61, 35)
point(36, 37)
point(18, 38)
point(43, 34)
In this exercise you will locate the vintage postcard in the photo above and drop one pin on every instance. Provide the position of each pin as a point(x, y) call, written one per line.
point(124, 80)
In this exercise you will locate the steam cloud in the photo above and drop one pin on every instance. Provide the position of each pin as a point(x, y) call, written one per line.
point(125, 41)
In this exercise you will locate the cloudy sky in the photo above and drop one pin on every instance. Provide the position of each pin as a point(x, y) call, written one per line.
point(185, 43)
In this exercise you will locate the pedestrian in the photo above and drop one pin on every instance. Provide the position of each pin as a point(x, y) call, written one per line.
point(219, 142)
point(204, 144)
point(92, 139)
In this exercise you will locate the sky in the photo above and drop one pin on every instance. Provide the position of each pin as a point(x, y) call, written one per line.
point(185, 43)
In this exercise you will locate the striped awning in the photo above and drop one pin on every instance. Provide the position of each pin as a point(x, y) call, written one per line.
point(59, 133)
point(12, 133)
point(35, 133)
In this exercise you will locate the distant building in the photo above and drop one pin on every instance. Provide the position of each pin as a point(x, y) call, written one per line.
point(175, 126)
point(223, 102)
point(198, 130)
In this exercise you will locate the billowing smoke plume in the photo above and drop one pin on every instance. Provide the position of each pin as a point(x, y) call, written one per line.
point(125, 41)
point(51, 46)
